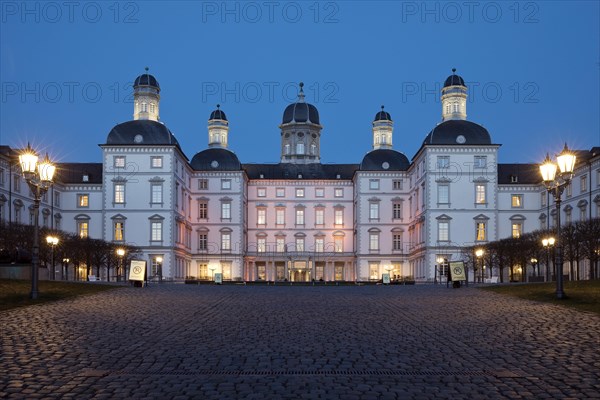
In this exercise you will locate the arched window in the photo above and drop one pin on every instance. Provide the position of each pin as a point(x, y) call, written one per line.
point(299, 148)
point(144, 107)
point(456, 107)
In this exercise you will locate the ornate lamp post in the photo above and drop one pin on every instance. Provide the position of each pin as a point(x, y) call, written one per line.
point(555, 184)
point(121, 254)
point(212, 273)
point(38, 176)
point(52, 241)
point(66, 269)
point(548, 243)
point(534, 262)
point(479, 254)
point(159, 261)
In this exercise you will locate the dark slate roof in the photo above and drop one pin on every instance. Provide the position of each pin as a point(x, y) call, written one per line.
point(525, 174)
point(383, 116)
point(74, 172)
point(448, 132)
point(308, 171)
point(146, 80)
point(151, 132)
point(376, 160)
point(301, 112)
point(454, 80)
point(218, 114)
point(216, 159)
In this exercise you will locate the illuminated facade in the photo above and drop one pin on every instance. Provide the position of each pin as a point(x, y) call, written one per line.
point(299, 220)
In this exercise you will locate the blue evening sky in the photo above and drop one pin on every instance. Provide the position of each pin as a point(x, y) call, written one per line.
point(533, 71)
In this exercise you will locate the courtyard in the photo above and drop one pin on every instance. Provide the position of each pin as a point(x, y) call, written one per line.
point(291, 342)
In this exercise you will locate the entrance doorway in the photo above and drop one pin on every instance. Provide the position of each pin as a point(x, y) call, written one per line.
point(300, 275)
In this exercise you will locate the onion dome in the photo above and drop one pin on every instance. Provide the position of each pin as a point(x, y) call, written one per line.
point(146, 80)
point(218, 114)
point(301, 111)
point(454, 80)
point(382, 116)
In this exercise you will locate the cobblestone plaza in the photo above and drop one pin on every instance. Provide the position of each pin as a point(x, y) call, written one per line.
point(265, 342)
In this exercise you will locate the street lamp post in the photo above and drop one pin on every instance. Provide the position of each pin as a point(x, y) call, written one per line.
point(212, 273)
point(548, 243)
point(555, 184)
point(38, 176)
point(479, 254)
point(66, 269)
point(121, 253)
point(534, 263)
point(159, 261)
point(52, 241)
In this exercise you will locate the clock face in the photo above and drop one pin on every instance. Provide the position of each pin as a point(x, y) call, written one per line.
point(385, 165)
point(138, 139)
point(214, 164)
point(460, 139)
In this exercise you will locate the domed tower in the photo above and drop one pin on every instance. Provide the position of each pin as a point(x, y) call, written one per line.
point(300, 132)
point(454, 98)
point(383, 128)
point(146, 97)
point(218, 129)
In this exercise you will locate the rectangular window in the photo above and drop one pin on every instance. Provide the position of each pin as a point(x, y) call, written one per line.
point(156, 162)
point(319, 192)
point(583, 183)
point(225, 241)
point(443, 231)
point(299, 244)
point(156, 231)
point(119, 161)
point(373, 271)
point(17, 183)
point(225, 184)
point(156, 193)
point(339, 217)
point(202, 242)
point(338, 244)
point(397, 241)
point(443, 162)
point(300, 216)
point(299, 148)
point(570, 189)
point(280, 244)
point(443, 194)
point(374, 241)
point(319, 245)
point(225, 210)
point(516, 200)
point(582, 213)
point(261, 218)
point(83, 229)
point(319, 216)
point(338, 192)
point(373, 211)
point(480, 161)
point(202, 184)
point(57, 199)
point(202, 209)
point(480, 234)
point(397, 184)
point(119, 193)
point(543, 196)
point(280, 216)
point(261, 245)
point(83, 200)
point(480, 195)
point(261, 192)
point(517, 229)
point(119, 231)
point(299, 192)
point(1, 176)
point(374, 184)
point(397, 210)
point(280, 192)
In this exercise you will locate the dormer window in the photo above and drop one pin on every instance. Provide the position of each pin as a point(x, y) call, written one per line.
point(514, 179)
point(85, 178)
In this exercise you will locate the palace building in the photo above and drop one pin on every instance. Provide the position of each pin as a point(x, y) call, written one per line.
point(299, 219)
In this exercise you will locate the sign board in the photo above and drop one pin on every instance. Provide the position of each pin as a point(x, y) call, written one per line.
point(386, 279)
point(137, 270)
point(219, 278)
point(457, 271)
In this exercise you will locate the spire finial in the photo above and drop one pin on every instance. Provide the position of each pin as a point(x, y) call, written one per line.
point(453, 71)
point(146, 69)
point(218, 106)
point(301, 93)
point(382, 107)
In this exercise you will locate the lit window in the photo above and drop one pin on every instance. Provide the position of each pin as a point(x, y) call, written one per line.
point(225, 184)
point(119, 231)
point(516, 201)
point(144, 107)
point(261, 245)
point(373, 211)
point(319, 245)
point(280, 216)
point(373, 271)
point(226, 210)
point(480, 161)
point(280, 244)
point(338, 244)
point(443, 194)
point(300, 244)
point(339, 217)
point(225, 241)
point(119, 193)
point(156, 193)
point(156, 231)
point(480, 195)
point(299, 192)
point(338, 192)
point(517, 229)
point(156, 162)
point(480, 231)
point(319, 216)
point(261, 192)
point(83, 200)
point(83, 229)
point(119, 161)
point(261, 216)
point(300, 216)
point(374, 184)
